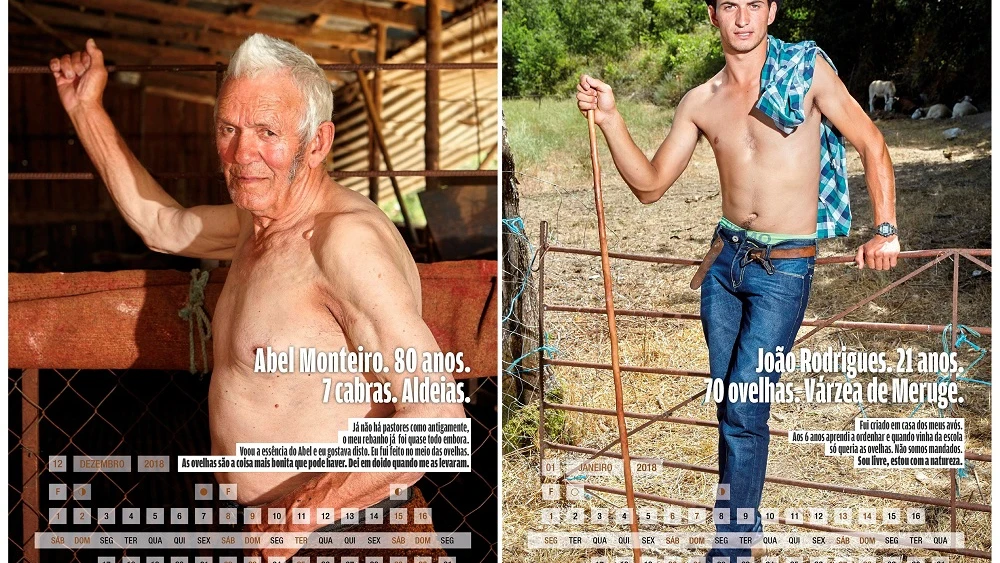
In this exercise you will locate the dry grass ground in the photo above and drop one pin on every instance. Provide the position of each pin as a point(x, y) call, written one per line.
point(943, 201)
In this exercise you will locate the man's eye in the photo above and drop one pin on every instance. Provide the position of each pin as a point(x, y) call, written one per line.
point(270, 133)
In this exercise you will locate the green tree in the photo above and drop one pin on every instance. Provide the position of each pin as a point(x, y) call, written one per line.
point(658, 49)
point(535, 55)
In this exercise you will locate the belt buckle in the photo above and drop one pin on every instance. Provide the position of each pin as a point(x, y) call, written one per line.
point(762, 256)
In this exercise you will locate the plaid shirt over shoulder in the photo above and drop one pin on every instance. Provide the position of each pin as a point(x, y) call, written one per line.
point(786, 77)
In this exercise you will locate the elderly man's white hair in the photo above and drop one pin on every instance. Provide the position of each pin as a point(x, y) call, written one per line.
point(262, 54)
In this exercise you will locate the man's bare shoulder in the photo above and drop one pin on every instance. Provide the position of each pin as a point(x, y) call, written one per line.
point(825, 81)
point(355, 238)
point(704, 91)
point(699, 97)
point(350, 224)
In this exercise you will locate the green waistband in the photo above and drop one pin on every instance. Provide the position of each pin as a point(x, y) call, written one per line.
point(766, 238)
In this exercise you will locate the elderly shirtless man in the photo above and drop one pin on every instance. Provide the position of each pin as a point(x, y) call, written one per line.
point(783, 181)
point(313, 264)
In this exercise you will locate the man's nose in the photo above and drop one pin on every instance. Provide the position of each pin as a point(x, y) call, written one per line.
point(245, 148)
point(743, 18)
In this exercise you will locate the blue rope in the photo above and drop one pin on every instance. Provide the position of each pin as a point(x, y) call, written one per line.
point(963, 338)
point(581, 477)
point(550, 349)
point(516, 226)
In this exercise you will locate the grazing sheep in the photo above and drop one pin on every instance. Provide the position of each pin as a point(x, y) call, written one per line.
point(964, 108)
point(938, 111)
point(884, 89)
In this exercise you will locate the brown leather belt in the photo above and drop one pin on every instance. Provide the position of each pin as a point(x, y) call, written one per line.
point(713, 253)
point(779, 253)
point(754, 254)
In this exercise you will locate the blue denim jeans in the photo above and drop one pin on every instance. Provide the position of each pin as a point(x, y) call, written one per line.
point(747, 305)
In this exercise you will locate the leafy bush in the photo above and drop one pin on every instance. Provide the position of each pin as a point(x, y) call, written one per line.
point(535, 54)
point(521, 428)
point(638, 47)
point(689, 59)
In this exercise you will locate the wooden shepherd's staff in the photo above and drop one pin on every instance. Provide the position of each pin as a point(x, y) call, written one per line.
point(613, 332)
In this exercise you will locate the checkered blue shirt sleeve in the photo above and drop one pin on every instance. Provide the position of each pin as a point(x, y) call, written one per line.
point(786, 77)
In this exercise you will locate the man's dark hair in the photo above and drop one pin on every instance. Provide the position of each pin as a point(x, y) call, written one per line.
point(712, 3)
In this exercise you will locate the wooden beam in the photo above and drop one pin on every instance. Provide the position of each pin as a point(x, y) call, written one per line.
point(201, 90)
point(432, 93)
point(89, 20)
point(400, 19)
point(121, 49)
point(184, 95)
point(235, 24)
point(490, 156)
point(373, 160)
point(321, 20)
point(377, 129)
point(444, 5)
point(199, 37)
point(31, 495)
point(40, 22)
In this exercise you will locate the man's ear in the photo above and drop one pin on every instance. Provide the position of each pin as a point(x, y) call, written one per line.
point(772, 8)
point(320, 145)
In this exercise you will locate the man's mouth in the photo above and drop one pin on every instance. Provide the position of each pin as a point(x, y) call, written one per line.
point(744, 34)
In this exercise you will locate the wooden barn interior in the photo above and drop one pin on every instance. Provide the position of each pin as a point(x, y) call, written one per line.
point(435, 119)
point(98, 355)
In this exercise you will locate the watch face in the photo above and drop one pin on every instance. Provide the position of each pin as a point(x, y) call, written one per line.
point(885, 229)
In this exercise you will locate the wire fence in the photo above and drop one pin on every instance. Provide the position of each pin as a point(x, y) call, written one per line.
point(557, 374)
point(58, 414)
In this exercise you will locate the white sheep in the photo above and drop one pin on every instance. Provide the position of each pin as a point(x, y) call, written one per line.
point(964, 108)
point(884, 89)
point(937, 111)
point(917, 114)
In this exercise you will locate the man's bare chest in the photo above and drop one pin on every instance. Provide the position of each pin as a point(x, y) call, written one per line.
point(743, 135)
point(273, 300)
point(739, 136)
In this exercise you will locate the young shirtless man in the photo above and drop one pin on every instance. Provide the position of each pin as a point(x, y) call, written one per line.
point(313, 265)
point(783, 185)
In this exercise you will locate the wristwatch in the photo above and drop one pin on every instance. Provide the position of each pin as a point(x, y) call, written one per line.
point(886, 229)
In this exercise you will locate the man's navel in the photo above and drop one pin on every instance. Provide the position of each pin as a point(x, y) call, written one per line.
point(748, 222)
point(308, 234)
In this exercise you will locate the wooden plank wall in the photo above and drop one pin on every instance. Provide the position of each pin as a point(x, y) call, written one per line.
point(468, 127)
point(73, 225)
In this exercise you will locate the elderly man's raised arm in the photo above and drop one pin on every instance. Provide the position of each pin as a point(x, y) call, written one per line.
point(163, 224)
